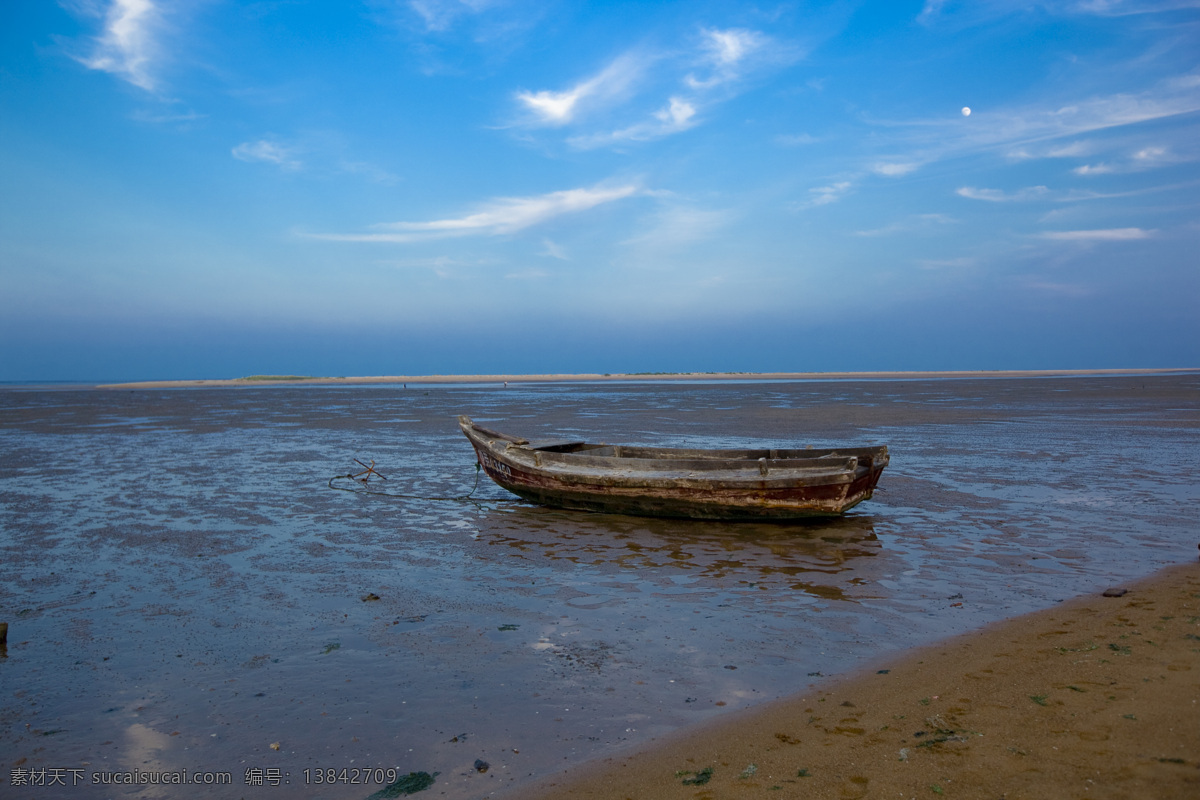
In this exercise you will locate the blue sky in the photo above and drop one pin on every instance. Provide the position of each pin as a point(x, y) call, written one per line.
point(214, 189)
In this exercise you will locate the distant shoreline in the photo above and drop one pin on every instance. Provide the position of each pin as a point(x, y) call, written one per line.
point(298, 380)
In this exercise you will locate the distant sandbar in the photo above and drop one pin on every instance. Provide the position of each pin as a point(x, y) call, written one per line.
point(302, 380)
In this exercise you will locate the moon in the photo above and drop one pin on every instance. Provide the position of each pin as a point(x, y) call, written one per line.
point(966, 111)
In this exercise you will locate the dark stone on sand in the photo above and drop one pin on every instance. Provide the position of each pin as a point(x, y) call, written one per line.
point(3, 633)
point(481, 765)
point(1115, 592)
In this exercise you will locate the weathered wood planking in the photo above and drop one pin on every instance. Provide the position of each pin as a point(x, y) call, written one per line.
point(775, 483)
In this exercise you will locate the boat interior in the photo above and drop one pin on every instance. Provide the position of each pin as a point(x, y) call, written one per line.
point(570, 446)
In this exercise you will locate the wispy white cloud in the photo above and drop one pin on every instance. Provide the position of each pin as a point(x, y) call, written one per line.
point(1076, 149)
point(269, 152)
point(1093, 169)
point(371, 172)
point(166, 118)
point(726, 54)
point(552, 249)
point(1146, 158)
point(894, 169)
point(440, 15)
point(930, 11)
point(678, 115)
point(1035, 131)
point(980, 12)
point(999, 196)
point(678, 226)
point(1122, 8)
point(824, 195)
point(714, 67)
point(1071, 150)
point(127, 46)
point(1153, 156)
point(497, 217)
point(560, 108)
point(1100, 235)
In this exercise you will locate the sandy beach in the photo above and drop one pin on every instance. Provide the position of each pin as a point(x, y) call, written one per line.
point(303, 380)
point(1097, 697)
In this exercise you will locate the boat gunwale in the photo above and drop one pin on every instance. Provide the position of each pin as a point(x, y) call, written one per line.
point(636, 456)
point(565, 473)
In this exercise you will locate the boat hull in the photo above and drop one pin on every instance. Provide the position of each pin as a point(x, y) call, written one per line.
point(692, 484)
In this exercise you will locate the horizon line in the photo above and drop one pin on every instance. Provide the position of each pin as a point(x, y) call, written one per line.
point(310, 380)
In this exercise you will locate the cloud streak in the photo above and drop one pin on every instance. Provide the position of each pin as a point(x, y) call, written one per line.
point(708, 71)
point(999, 196)
point(127, 46)
point(1031, 132)
point(824, 195)
point(560, 108)
point(268, 152)
point(1101, 235)
point(498, 217)
point(440, 15)
point(677, 116)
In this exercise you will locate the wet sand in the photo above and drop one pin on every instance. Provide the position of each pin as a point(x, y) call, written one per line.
point(1097, 697)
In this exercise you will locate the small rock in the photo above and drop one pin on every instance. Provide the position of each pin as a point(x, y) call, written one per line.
point(1115, 592)
point(370, 597)
point(481, 765)
point(274, 745)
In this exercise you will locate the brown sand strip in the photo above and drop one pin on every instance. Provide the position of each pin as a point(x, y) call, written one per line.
point(292, 380)
point(1097, 697)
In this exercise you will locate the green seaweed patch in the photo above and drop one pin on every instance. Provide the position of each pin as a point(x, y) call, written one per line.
point(411, 783)
point(803, 772)
point(1040, 699)
point(943, 735)
point(695, 778)
point(1120, 649)
point(748, 771)
point(508, 627)
point(329, 648)
point(1172, 761)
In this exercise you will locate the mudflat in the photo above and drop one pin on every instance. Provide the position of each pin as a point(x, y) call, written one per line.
point(1097, 697)
point(186, 590)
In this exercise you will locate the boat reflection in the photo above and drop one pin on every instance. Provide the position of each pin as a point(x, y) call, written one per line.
point(810, 558)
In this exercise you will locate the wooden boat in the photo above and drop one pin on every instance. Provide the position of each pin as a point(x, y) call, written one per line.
point(674, 482)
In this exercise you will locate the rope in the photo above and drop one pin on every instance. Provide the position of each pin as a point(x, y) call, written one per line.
point(363, 489)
